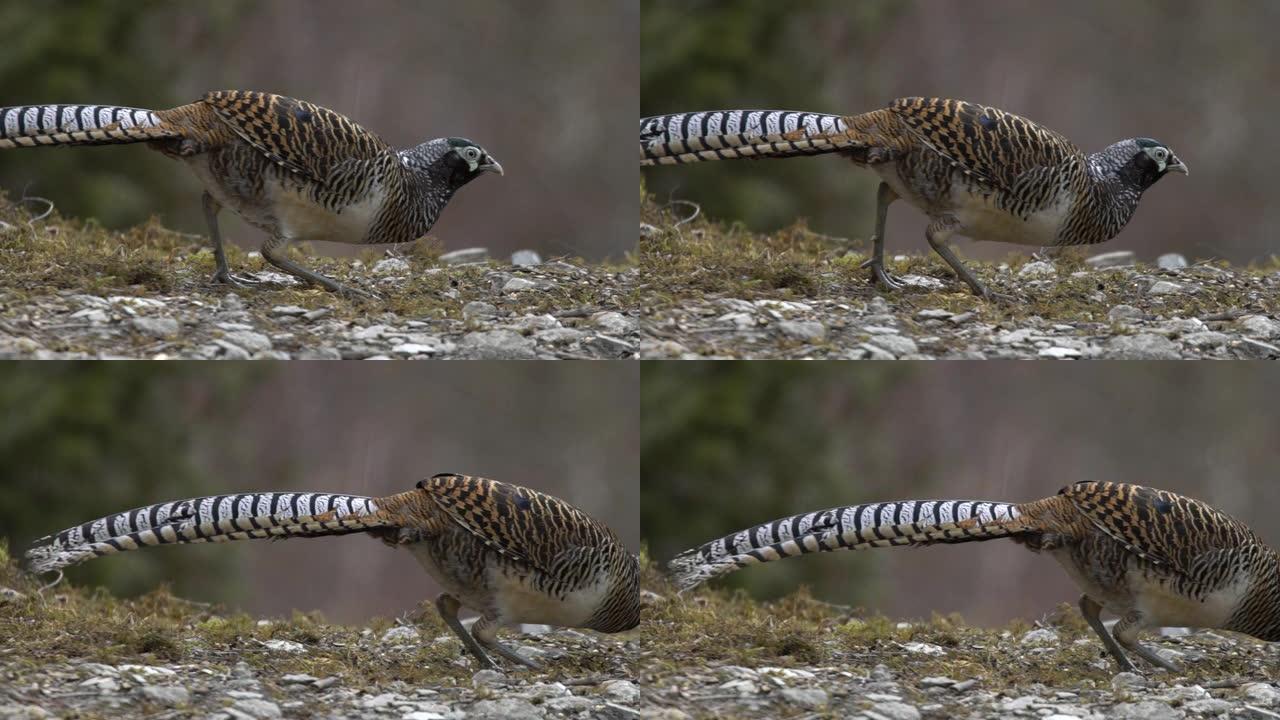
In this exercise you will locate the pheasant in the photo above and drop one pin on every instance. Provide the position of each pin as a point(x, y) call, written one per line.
point(513, 554)
point(296, 170)
point(1152, 557)
point(974, 170)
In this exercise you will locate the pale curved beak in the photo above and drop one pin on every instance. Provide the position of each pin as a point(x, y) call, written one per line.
point(1175, 165)
point(493, 167)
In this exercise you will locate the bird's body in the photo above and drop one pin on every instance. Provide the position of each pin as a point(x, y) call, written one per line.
point(974, 170)
point(1151, 557)
point(512, 554)
point(293, 169)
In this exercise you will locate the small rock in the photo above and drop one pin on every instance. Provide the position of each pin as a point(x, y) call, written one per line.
point(287, 646)
point(1164, 287)
point(232, 351)
point(422, 715)
point(615, 323)
point(1258, 349)
point(1211, 707)
point(497, 345)
point(261, 709)
point(316, 314)
point(1015, 337)
point(325, 683)
point(807, 698)
point(934, 314)
point(93, 316)
point(921, 648)
point(1145, 346)
point(1038, 268)
point(1260, 693)
point(516, 284)
point(1127, 682)
point(1119, 258)
point(389, 265)
point(877, 306)
point(232, 302)
point(466, 256)
point(8, 595)
point(488, 678)
point(1059, 353)
point(1171, 261)
point(964, 685)
point(401, 635)
point(288, 311)
point(896, 345)
point(249, 340)
point(804, 330)
point(157, 327)
point(412, 349)
point(937, 682)
point(623, 691)
point(1145, 710)
point(22, 712)
point(298, 679)
point(505, 709)
point(893, 711)
point(525, 258)
point(1040, 636)
point(1206, 339)
point(1259, 326)
point(570, 705)
point(167, 695)
point(478, 309)
point(1124, 313)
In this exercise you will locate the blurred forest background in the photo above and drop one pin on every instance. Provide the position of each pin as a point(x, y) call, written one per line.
point(1198, 76)
point(83, 440)
point(549, 88)
point(729, 445)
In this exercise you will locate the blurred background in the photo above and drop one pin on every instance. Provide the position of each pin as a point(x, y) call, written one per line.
point(729, 445)
point(548, 88)
point(83, 440)
point(1193, 75)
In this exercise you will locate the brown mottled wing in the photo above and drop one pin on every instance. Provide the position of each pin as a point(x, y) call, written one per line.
point(305, 138)
point(1158, 525)
point(987, 143)
point(518, 522)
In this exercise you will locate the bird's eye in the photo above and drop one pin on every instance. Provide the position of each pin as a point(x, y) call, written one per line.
point(1161, 154)
point(471, 154)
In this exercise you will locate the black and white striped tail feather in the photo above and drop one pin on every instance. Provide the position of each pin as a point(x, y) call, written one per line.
point(729, 134)
point(32, 125)
point(215, 518)
point(851, 527)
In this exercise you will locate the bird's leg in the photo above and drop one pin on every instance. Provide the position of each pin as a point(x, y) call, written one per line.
point(447, 605)
point(275, 251)
point(1126, 632)
point(884, 196)
point(938, 232)
point(223, 272)
point(1090, 609)
point(486, 633)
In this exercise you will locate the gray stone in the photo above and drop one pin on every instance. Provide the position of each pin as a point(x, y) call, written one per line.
point(22, 712)
point(1207, 339)
point(615, 323)
point(390, 265)
point(1059, 353)
point(525, 258)
point(232, 302)
point(1145, 710)
point(559, 336)
point(497, 345)
point(897, 345)
point(1182, 326)
point(287, 646)
point(1260, 693)
point(1119, 258)
point(893, 710)
point(1258, 349)
point(1259, 326)
point(231, 351)
point(569, 704)
point(1038, 268)
point(623, 691)
point(298, 679)
point(402, 635)
point(804, 330)
point(1145, 346)
point(478, 309)
point(157, 327)
point(466, 256)
point(1211, 706)
point(261, 709)
point(249, 340)
point(488, 678)
point(1171, 261)
point(807, 698)
point(934, 314)
point(1040, 636)
point(411, 349)
point(288, 311)
point(167, 695)
point(1164, 287)
point(609, 345)
point(1124, 313)
point(1127, 682)
point(505, 709)
point(516, 284)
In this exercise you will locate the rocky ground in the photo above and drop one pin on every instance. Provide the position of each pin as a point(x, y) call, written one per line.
point(717, 292)
point(715, 654)
point(66, 653)
point(71, 290)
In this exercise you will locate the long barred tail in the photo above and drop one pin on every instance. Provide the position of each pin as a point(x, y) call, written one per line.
point(32, 125)
point(728, 134)
point(852, 527)
point(217, 518)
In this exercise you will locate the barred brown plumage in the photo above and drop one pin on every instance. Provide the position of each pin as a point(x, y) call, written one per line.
point(974, 170)
point(513, 554)
point(1152, 557)
point(296, 170)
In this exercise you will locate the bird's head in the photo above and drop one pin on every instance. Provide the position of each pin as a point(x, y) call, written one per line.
point(457, 160)
point(1141, 161)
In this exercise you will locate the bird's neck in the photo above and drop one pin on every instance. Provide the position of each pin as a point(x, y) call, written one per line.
point(423, 194)
point(1111, 197)
point(1258, 614)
